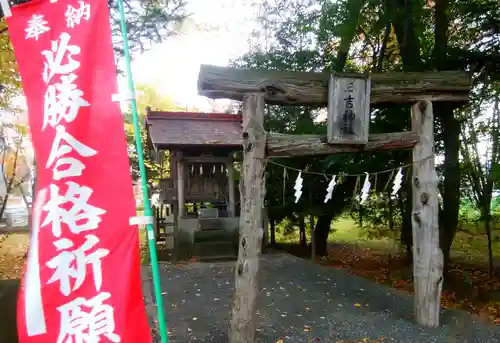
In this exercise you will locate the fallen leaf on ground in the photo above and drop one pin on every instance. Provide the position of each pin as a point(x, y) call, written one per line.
point(467, 287)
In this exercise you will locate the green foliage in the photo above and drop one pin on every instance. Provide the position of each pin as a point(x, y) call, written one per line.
point(148, 22)
point(154, 170)
point(496, 174)
point(9, 77)
point(156, 164)
point(376, 220)
point(470, 214)
point(369, 35)
point(303, 37)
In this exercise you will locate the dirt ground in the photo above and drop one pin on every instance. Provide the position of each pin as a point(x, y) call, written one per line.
point(300, 301)
point(467, 286)
point(362, 262)
point(13, 249)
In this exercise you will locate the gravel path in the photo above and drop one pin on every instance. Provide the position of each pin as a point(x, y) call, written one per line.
point(303, 302)
point(8, 300)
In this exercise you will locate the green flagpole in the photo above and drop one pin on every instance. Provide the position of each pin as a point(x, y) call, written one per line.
point(142, 171)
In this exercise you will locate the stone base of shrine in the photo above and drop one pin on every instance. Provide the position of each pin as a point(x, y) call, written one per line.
point(219, 241)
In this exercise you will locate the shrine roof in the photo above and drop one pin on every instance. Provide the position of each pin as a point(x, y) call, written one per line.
point(183, 129)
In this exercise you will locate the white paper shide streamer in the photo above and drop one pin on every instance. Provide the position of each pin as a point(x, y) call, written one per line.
point(396, 186)
point(329, 189)
point(298, 187)
point(366, 189)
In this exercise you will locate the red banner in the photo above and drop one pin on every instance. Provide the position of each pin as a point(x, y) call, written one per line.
point(82, 280)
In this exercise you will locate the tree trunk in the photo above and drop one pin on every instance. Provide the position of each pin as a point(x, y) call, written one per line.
point(390, 222)
point(451, 136)
point(246, 288)
point(302, 231)
point(451, 189)
point(33, 182)
point(391, 213)
point(4, 205)
point(313, 243)
point(27, 204)
point(406, 229)
point(273, 232)
point(487, 229)
point(312, 225)
point(427, 256)
point(10, 183)
point(360, 214)
point(321, 234)
point(403, 20)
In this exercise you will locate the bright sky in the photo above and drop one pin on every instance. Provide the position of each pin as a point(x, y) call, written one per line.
point(173, 65)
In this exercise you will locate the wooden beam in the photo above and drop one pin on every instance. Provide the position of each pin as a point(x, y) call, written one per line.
point(427, 256)
point(174, 158)
point(181, 195)
point(206, 159)
point(304, 88)
point(265, 224)
point(283, 145)
point(251, 231)
point(231, 188)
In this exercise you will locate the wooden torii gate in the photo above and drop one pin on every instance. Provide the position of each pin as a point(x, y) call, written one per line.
point(257, 87)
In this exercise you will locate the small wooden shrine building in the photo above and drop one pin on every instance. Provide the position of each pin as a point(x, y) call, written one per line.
point(201, 193)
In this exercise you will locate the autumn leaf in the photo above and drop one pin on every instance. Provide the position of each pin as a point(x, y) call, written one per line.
point(9, 78)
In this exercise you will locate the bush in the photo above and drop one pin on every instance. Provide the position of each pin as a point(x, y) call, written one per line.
point(373, 218)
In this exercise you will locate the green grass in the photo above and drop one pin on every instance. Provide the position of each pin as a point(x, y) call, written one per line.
point(474, 248)
point(344, 230)
point(470, 245)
